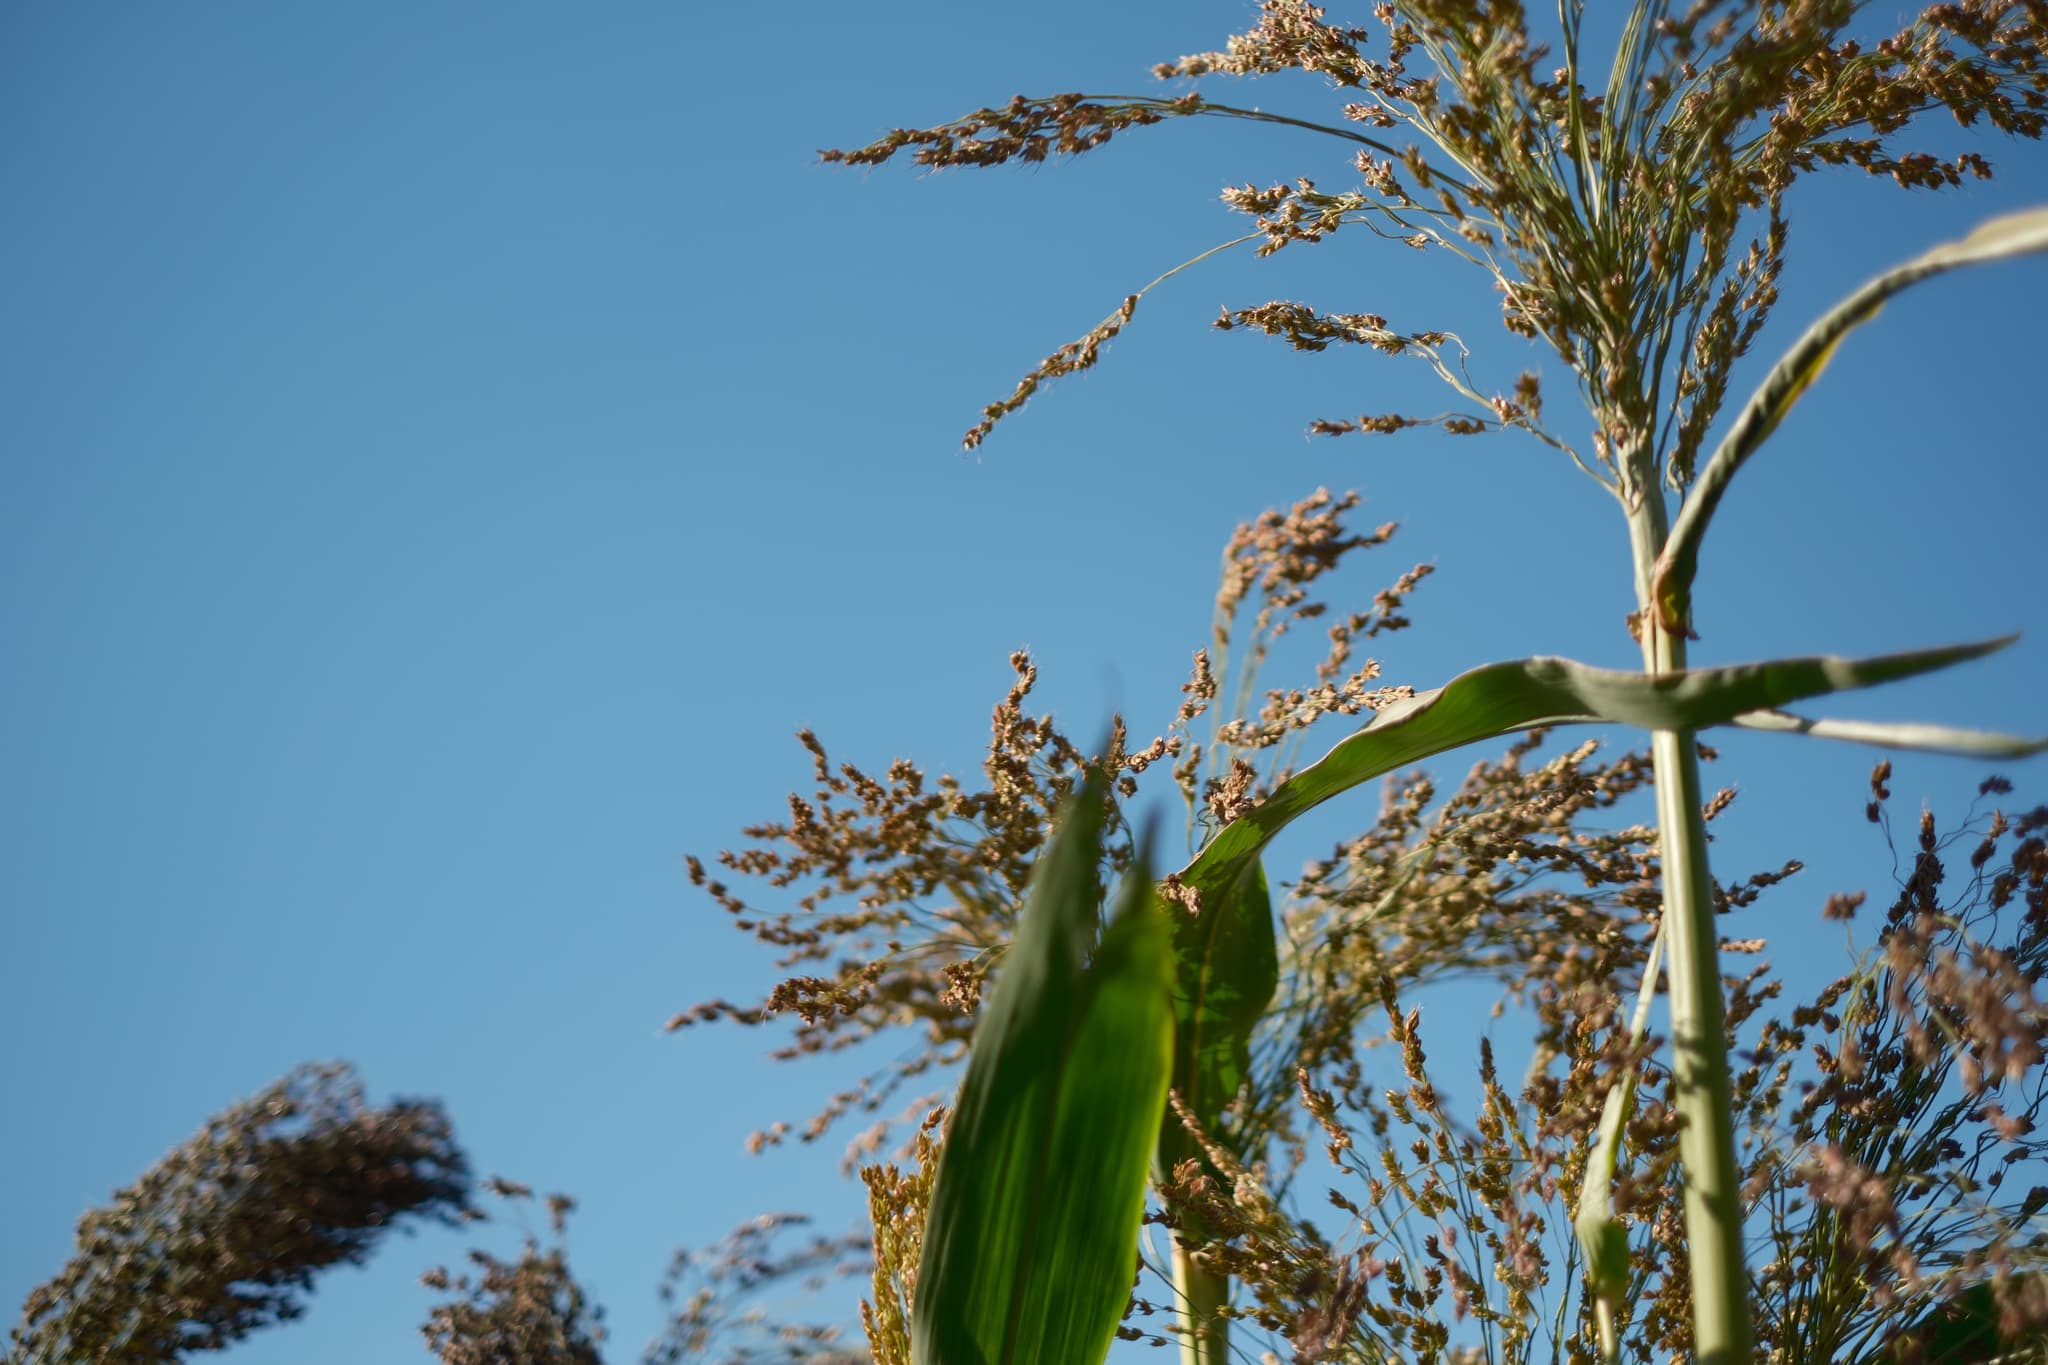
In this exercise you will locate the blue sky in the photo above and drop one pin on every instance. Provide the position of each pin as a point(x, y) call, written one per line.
point(449, 449)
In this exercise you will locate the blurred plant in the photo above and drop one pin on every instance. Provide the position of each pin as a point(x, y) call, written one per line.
point(717, 1319)
point(226, 1234)
point(899, 1200)
point(525, 1312)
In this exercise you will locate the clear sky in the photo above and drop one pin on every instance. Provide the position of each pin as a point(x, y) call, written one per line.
point(448, 449)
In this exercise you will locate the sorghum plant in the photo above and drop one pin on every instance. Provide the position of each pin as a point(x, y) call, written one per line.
point(1455, 1240)
point(1639, 230)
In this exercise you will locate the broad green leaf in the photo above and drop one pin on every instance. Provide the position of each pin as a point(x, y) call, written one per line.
point(2014, 234)
point(1521, 694)
point(1227, 968)
point(1929, 739)
point(1031, 1241)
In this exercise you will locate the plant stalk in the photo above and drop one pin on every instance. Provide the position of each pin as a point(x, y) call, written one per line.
point(1701, 1090)
point(1202, 1296)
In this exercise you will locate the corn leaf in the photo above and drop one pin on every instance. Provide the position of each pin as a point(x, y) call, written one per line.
point(1227, 970)
point(2013, 234)
point(1521, 694)
point(1031, 1242)
point(1926, 739)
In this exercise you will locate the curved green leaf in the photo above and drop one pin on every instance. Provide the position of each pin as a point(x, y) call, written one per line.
point(1927, 739)
point(2013, 234)
point(1031, 1241)
point(1228, 968)
point(1521, 694)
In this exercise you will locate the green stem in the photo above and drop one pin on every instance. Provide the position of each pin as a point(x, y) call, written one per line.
point(1202, 1295)
point(1701, 1090)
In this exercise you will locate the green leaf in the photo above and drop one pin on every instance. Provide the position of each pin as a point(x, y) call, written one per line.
point(1031, 1241)
point(2014, 234)
point(1228, 967)
point(1521, 694)
point(1927, 739)
point(1605, 1243)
